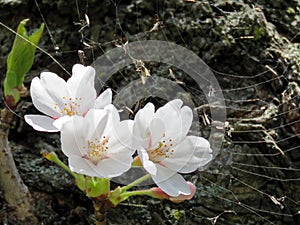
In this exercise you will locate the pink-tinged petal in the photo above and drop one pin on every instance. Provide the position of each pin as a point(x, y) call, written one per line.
point(80, 165)
point(41, 123)
point(170, 182)
point(73, 137)
point(104, 99)
point(182, 197)
point(158, 193)
point(43, 98)
point(148, 165)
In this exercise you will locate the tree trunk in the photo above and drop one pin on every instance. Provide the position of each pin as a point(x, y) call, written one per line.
point(14, 190)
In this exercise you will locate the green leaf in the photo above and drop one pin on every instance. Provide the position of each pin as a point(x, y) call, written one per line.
point(20, 60)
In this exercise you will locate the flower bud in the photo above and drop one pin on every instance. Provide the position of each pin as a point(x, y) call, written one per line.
point(158, 193)
point(182, 197)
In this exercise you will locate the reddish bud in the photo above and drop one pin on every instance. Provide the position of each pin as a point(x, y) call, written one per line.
point(182, 197)
point(158, 193)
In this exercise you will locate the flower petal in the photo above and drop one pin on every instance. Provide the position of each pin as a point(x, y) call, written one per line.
point(41, 123)
point(81, 85)
point(142, 120)
point(80, 165)
point(113, 112)
point(112, 166)
point(182, 153)
point(192, 153)
point(157, 130)
point(172, 107)
point(186, 119)
point(97, 120)
point(55, 85)
point(149, 166)
point(47, 92)
point(170, 182)
point(170, 114)
point(73, 136)
point(119, 132)
point(202, 154)
point(145, 115)
point(115, 165)
point(81, 75)
point(121, 135)
point(78, 70)
point(58, 123)
point(182, 197)
point(76, 135)
point(104, 99)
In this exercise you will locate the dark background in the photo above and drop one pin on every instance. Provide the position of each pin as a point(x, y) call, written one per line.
point(252, 46)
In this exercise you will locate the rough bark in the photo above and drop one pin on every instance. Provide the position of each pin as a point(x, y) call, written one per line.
point(14, 190)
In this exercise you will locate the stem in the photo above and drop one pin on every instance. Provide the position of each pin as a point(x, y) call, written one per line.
point(15, 191)
point(99, 213)
point(101, 207)
point(134, 183)
point(133, 193)
point(54, 158)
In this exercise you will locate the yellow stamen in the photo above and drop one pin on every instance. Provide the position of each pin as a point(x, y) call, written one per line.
point(96, 150)
point(162, 151)
point(71, 106)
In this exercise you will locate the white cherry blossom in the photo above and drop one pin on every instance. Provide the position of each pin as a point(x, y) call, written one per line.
point(98, 144)
point(60, 99)
point(164, 147)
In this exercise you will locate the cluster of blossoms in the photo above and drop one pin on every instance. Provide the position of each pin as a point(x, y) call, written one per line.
point(98, 144)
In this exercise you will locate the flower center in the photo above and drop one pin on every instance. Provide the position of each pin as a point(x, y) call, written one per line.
point(70, 106)
point(96, 150)
point(162, 151)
